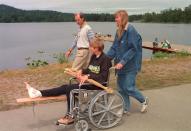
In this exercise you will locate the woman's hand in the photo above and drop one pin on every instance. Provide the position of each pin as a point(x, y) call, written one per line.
point(118, 66)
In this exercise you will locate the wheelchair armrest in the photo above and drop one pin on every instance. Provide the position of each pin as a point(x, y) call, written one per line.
point(71, 79)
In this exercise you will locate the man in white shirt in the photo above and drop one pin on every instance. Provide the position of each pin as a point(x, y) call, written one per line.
point(82, 41)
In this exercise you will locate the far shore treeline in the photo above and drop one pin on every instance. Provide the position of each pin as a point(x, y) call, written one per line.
point(10, 14)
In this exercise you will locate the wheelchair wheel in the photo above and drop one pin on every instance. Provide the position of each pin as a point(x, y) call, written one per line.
point(81, 125)
point(106, 110)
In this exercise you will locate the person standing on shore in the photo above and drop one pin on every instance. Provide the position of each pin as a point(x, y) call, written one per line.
point(82, 41)
point(155, 44)
point(127, 54)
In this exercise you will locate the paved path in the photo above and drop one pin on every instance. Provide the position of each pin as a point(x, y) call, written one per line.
point(169, 110)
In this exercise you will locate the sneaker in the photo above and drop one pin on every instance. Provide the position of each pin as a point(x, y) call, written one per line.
point(120, 112)
point(126, 113)
point(66, 120)
point(33, 93)
point(144, 105)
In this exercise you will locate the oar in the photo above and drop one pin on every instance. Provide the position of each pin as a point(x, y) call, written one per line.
point(73, 73)
point(109, 90)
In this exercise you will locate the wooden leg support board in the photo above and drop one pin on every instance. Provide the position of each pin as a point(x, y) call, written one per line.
point(25, 100)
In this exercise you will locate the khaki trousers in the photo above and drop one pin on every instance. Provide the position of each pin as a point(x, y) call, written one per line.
point(82, 59)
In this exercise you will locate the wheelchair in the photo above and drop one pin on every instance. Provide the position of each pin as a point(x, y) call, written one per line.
point(103, 110)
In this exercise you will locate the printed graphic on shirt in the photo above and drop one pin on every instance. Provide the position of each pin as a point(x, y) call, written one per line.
point(94, 69)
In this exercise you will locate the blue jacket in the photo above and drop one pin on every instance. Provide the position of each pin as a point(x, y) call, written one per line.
point(127, 50)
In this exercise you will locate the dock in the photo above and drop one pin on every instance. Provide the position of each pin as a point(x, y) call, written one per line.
point(175, 47)
point(148, 45)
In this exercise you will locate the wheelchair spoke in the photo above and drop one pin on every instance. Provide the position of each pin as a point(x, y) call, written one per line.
point(108, 118)
point(117, 106)
point(102, 118)
point(115, 114)
point(106, 99)
point(97, 113)
point(101, 106)
point(110, 103)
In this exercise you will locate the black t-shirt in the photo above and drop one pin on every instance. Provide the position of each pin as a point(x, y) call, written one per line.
point(98, 68)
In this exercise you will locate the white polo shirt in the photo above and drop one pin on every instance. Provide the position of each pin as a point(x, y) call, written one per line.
point(83, 37)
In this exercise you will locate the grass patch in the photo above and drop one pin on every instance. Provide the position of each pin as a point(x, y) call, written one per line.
point(164, 55)
point(156, 73)
point(60, 58)
point(159, 73)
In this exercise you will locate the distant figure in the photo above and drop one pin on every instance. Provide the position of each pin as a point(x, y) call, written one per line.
point(155, 45)
point(166, 44)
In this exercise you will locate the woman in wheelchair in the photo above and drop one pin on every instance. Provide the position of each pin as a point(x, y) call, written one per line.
point(97, 70)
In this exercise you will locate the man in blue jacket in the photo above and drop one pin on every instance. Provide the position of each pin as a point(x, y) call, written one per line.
point(127, 54)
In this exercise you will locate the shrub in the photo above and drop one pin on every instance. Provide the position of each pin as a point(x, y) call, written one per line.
point(31, 63)
point(183, 53)
point(37, 63)
point(60, 57)
point(161, 55)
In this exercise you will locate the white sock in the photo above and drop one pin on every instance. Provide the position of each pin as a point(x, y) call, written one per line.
point(33, 93)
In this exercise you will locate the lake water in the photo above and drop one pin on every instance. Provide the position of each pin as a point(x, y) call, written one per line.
point(21, 40)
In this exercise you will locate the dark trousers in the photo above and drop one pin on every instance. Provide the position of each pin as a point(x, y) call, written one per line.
point(65, 90)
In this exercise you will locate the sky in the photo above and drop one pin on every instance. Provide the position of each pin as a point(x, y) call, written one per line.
point(98, 6)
